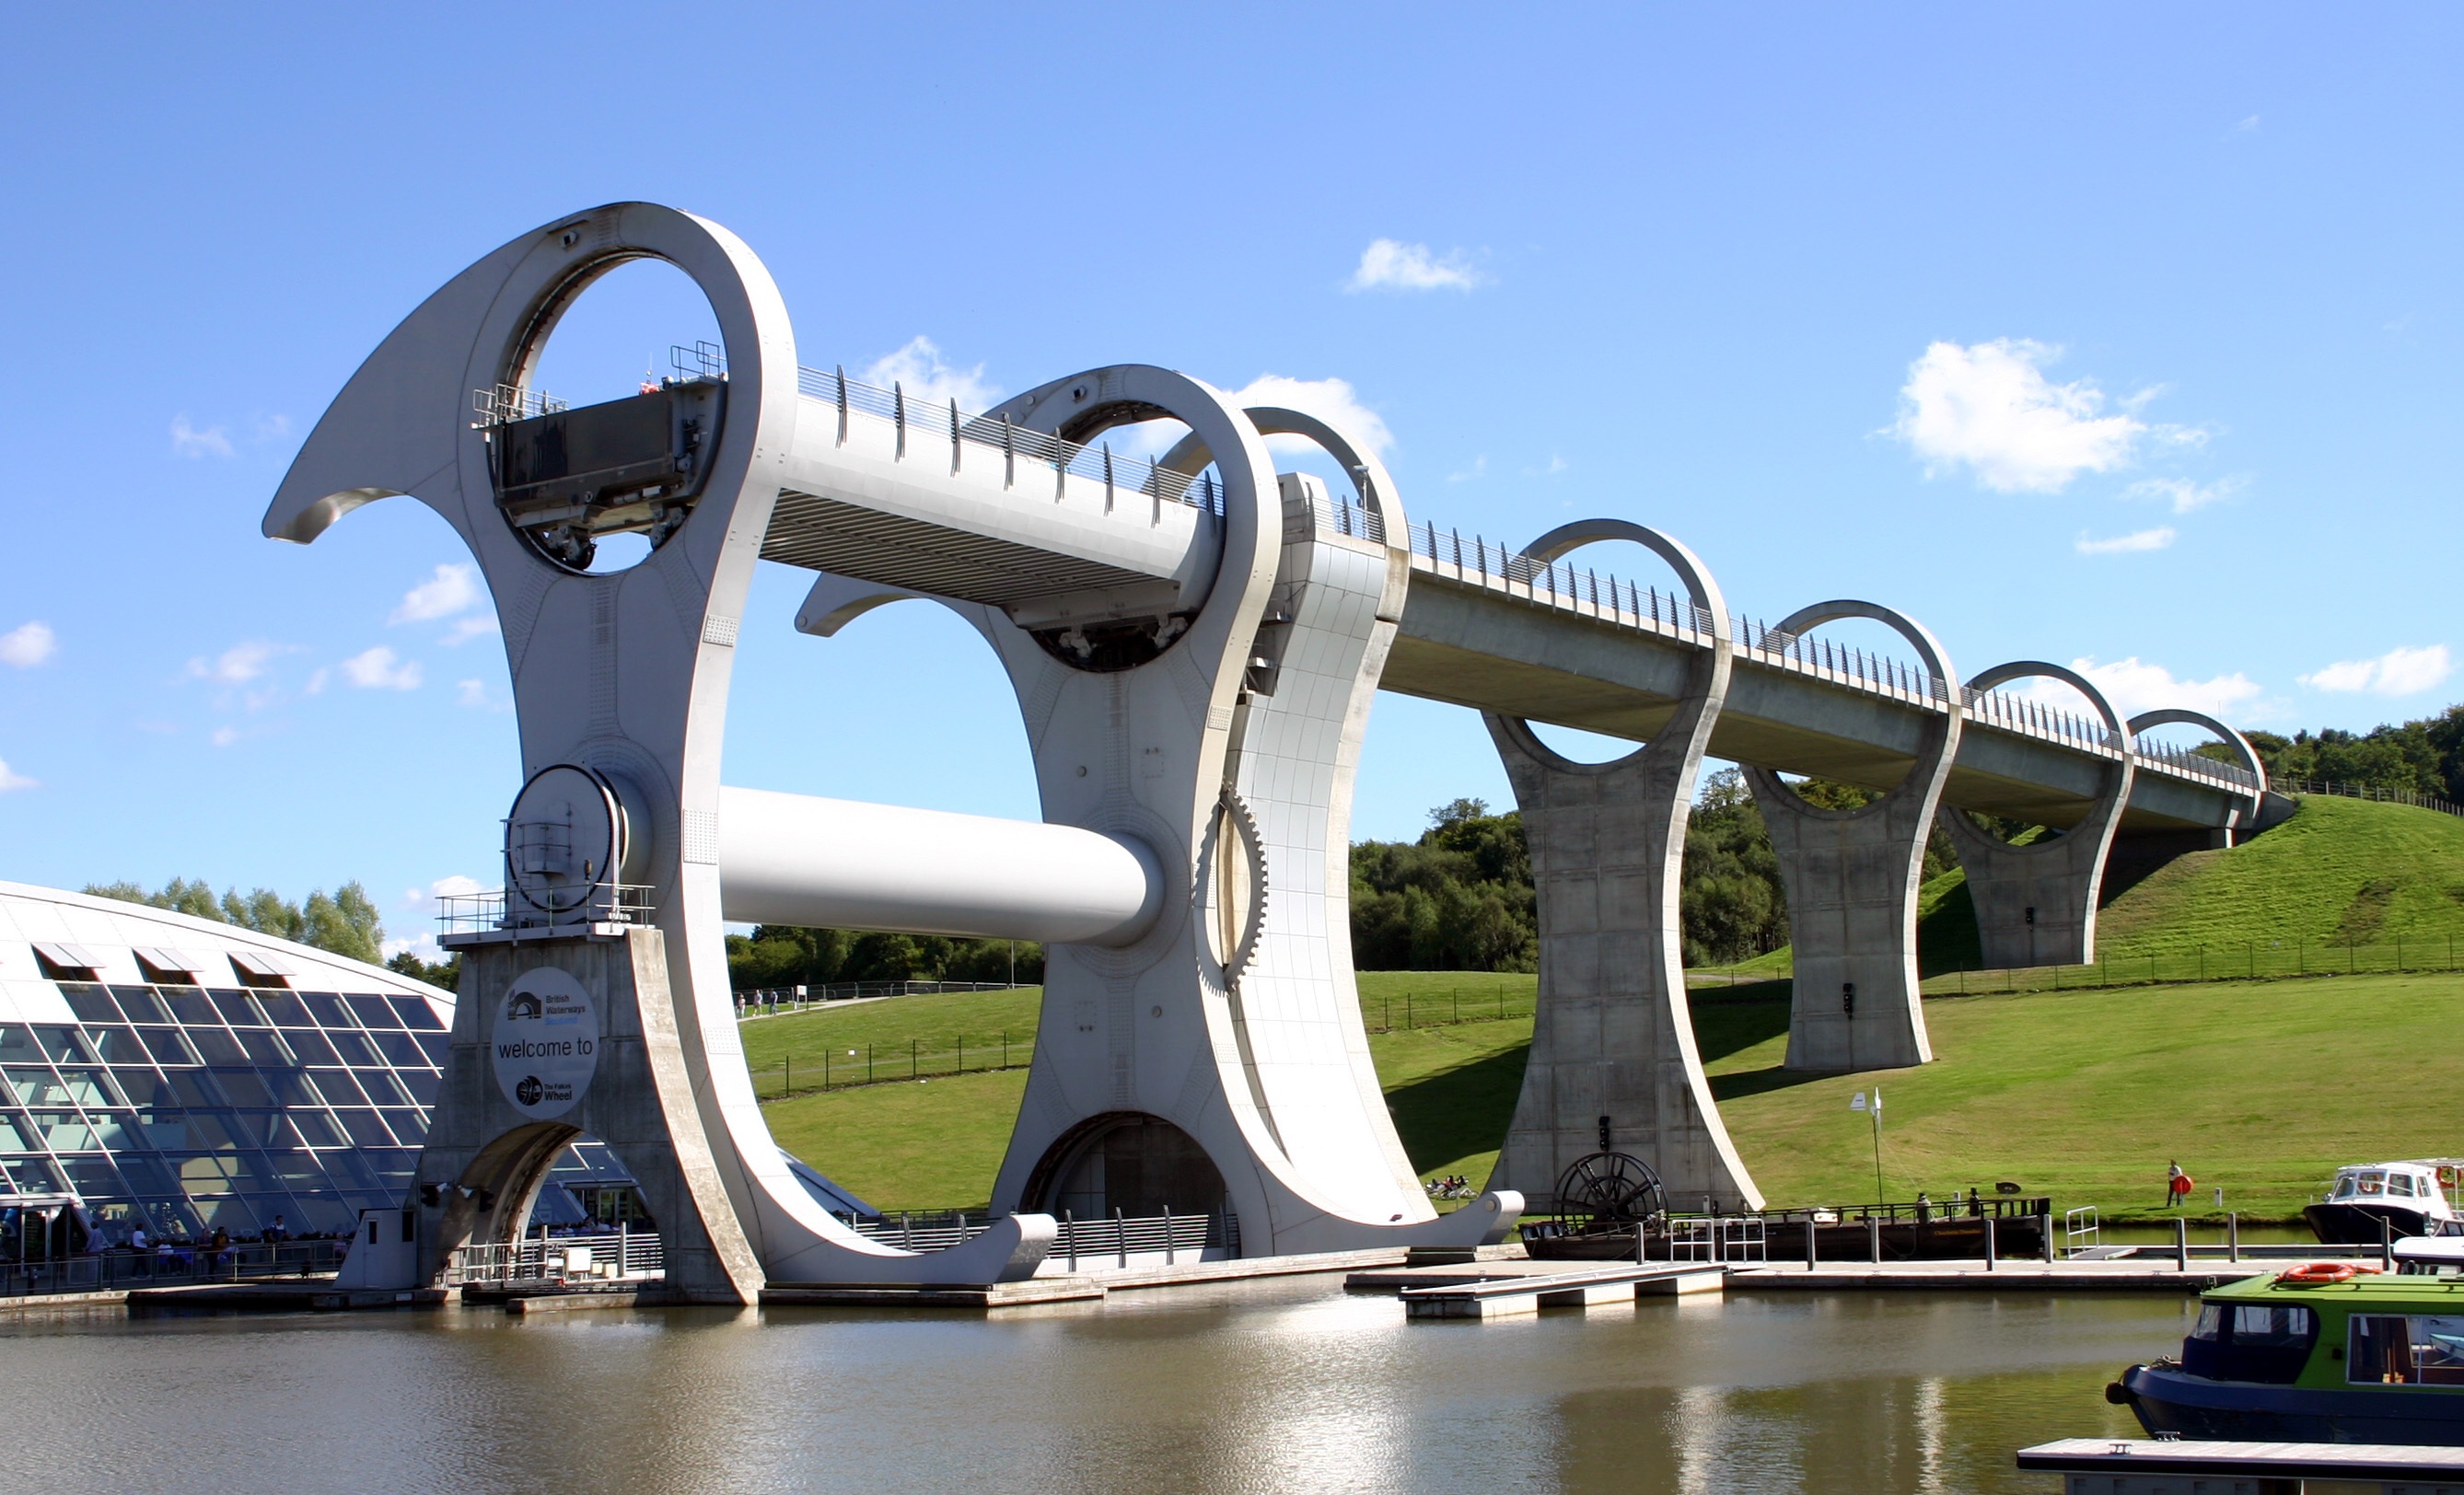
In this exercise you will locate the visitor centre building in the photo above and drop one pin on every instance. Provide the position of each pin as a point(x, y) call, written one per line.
point(187, 1076)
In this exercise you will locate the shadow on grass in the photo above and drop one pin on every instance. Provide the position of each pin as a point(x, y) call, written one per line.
point(1460, 1111)
point(1729, 1019)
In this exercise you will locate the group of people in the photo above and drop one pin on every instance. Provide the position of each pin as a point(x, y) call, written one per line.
point(1453, 1186)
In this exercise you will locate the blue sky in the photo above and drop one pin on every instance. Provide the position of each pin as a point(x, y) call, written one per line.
point(2116, 333)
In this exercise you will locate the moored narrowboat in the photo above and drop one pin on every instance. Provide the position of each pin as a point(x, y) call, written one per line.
point(2326, 1353)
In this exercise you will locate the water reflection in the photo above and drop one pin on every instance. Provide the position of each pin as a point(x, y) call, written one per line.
point(1261, 1386)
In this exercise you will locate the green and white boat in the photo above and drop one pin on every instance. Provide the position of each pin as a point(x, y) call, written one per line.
point(2327, 1353)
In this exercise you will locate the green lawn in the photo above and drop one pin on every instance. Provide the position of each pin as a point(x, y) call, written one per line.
point(2260, 1087)
point(934, 1031)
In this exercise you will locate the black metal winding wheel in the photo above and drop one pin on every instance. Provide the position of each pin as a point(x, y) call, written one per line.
point(1609, 1190)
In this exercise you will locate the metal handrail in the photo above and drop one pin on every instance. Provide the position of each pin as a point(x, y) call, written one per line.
point(609, 902)
point(631, 1256)
point(170, 1264)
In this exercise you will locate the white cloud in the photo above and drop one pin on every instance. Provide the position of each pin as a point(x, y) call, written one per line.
point(1332, 401)
point(2184, 495)
point(376, 669)
point(1393, 265)
point(188, 441)
point(242, 661)
point(1991, 409)
point(14, 781)
point(449, 590)
point(921, 374)
point(2134, 686)
point(2123, 544)
point(456, 885)
point(475, 626)
point(470, 693)
point(28, 644)
point(2399, 672)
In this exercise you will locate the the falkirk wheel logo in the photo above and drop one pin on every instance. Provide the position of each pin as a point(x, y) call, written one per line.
point(545, 1046)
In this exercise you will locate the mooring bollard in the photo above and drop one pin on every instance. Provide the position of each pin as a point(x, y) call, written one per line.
point(2232, 1236)
point(2181, 1243)
point(1811, 1255)
point(2046, 1220)
point(1168, 1257)
point(1069, 1234)
point(1121, 1237)
point(1873, 1241)
point(1989, 1242)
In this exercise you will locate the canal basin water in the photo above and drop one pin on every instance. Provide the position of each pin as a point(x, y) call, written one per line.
point(1263, 1386)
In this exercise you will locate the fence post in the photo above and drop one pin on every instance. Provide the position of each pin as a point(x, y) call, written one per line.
point(1121, 1237)
point(1989, 1244)
point(1168, 1259)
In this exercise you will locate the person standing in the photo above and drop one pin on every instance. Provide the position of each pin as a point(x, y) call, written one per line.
point(2177, 1184)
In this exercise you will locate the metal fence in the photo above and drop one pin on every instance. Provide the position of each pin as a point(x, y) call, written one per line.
point(2293, 955)
point(170, 1265)
point(1717, 1237)
point(624, 1256)
point(2364, 791)
point(771, 1001)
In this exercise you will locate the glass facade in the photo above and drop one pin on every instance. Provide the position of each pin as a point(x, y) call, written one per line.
point(189, 1109)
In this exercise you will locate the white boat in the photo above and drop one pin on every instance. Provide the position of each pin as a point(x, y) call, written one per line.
point(2370, 1203)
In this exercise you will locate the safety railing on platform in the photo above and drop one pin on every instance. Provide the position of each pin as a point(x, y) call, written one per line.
point(609, 902)
point(2080, 1231)
point(170, 1265)
point(621, 1256)
point(1717, 1237)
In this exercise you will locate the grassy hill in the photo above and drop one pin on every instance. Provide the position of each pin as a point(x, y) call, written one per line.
point(2386, 881)
point(2260, 1087)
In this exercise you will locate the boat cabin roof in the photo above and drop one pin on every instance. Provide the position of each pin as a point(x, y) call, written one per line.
point(2442, 1249)
point(2367, 1292)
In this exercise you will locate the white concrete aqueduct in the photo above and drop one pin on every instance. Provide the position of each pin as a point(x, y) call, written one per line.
point(1195, 644)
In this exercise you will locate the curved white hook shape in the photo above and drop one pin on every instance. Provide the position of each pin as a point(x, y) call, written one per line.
point(2239, 744)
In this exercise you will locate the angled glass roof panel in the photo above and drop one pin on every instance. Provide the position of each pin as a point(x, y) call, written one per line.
point(417, 1015)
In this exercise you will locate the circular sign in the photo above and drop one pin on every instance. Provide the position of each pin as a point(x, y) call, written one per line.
point(547, 1043)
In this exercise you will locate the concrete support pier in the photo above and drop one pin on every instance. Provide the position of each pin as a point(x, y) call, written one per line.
point(1613, 1056)
point(1851, 878)
point(2035, 905)
point(554, 1039)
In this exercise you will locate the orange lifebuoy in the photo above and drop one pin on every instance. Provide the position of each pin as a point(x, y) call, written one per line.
point(2319, 1274)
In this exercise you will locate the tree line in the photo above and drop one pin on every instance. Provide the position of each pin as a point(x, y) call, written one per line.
point(344, 922)
point(2423, 756)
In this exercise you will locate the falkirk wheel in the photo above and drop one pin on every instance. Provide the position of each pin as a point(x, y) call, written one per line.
point(1195, 642)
